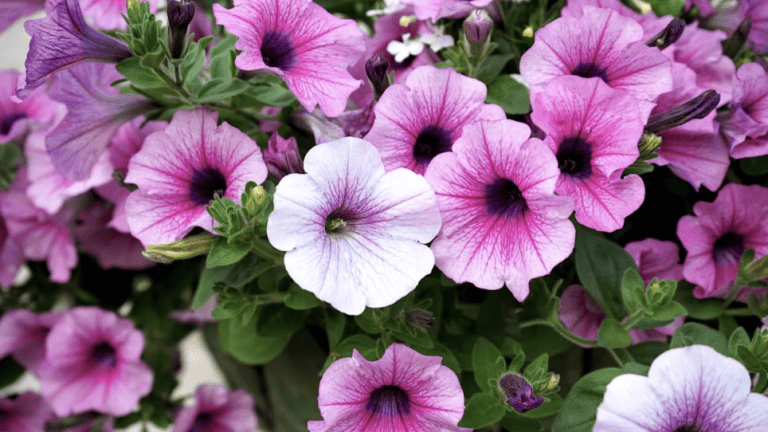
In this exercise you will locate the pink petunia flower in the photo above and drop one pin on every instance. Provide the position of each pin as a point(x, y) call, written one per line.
point(93, 362)
point(593, 131)
point(600, 44)
point(300, 42)
point(217, 410)
point(354, 235)
point(282, 156)
point(22, 335)
point(656, 259)
point(27, 413)
point(502, 223)
point(693, 388)
point(746, 123)
point(18, 118)
point(12, 10)
point(103, 14)
point(436, 9)
point(419, 120)
point(402, 391)
point(758, 35)
point(719, 233)
point(179, 170)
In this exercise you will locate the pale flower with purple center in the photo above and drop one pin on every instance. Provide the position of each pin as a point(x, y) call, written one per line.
point(300, 42)
point(403, 391)
point(181, 169)
point(502, 222)
point(354, 235)
point(689, 389)
point(217, 409)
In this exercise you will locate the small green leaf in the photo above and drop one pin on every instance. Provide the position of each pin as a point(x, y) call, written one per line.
point(738, 338)
point(492, 66)
point(537, 368)
point(509, 94)
point(667, 7)
point(700, 309)
point(335, 323)
point(666, 314)
point(367, 322)
point(698, 334)
point(223, 253)
point(516, 422)
point(646, 352)
point(483, 409)
point(247, 346)
point(205, 287)
point(449, 359)
point(220, 89)
point(612, 335)
point(138, 75)
point(272, 95)
point(750, 361)
point(632, 289)
point(363, 344)
point(488, 364)
point(580, 406)
point(300, 299)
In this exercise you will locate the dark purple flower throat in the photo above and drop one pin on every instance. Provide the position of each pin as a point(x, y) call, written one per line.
point(503, 197)
point(104, 355)
point(277, 51)
point(203, 422)
point(205, 184)
point(432, 141)
point(728, 248)
point(574, 158)
point(389, 401)
point(590, 70)
point(8, 121)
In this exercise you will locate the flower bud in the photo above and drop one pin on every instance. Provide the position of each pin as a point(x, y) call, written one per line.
point(669, 35)
point(254, 198)
point(519, 392)
point(696, 108)
point(477, 31)
point(180, 14)
point(183, 249)
point(376, 69)
point(282, 157)
point(420, 319)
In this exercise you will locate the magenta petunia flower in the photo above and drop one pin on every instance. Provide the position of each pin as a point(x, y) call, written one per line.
point(719, 233)
point(103, 14)
point(63, 39)
point(22, 335)
point(593, 131)
point(28, 412)
point(436, 9)
point(300, 42)
point(354, 235)
point(93, 362)
point(693, 388)
point(758, 35)
point(179, 170)
point(217, 409)
point(502, 223)
point(419, 120)
point(403, 391)
point(600, 44)
point(112, 248)
point(746, 124)
point(12, 10)
point(282, 156)
point(656, 259)
point(18, 118)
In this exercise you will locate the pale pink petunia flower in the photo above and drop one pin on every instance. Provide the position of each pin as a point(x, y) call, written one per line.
point(502, 222)
point(28, 412)
point(217, 409)
point(300, 42)
point(745, 126)
point(600, 44)
point(22, 335)
point(656, 259)
point(179, 170)
point(719, 233)
point(354, 235)
point(593, 131)
point(93, 362)
point(419, 120)
point(692, 388)
point(403, 391)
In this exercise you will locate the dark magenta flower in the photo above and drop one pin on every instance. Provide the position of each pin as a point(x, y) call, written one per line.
point(519, 392)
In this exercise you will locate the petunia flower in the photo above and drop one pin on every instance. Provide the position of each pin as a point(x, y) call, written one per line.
point(12, 10)
point(436, 9)
point(758, 35)
point(354, 235)
point(95, 111)
point(419, 120)
point(600, 44)
point(300, 42)
point(403, 391)
point(11, 257)
point(656, 259)
point(103, 14)
point(93, 362)
point(63, 39)
point(181, 169)
point(22, 335)
point(216, 409)
point(18, 118)
point(28, 412)
point(746, 124)
point(593, 131)
point(692, 388)
point(282, 156)
point(502, 223)
point(719, 233)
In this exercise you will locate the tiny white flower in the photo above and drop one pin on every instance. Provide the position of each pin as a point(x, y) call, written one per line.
point(402, 50)
point(438, 40)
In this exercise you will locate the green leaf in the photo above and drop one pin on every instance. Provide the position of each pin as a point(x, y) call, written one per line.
point(612, 335)
point(277, 320)
point(246, 270)
point(700, 309)
point(363, 344)
point(551, 405)
point(541, 339)
point(367, 322)
point(537, 368)
point(580, 407)
point(632, 289)
point(509, 94)
point(483, 409)
point(666, 314)
point(272, 95)
point(412, 336)
point(755, 167)
point(636, 368)
point(698, 334)
point(194, 60)
point(205, 286)
point(600, 265)
point(667, 7)
point(488, 364)
point(221, 88)
point(243, 343)
point(138, 75)
point(223, 253)
point(516, 422)
point(750, 361)
point(334, 324)
point(300, 299)
point(646, 352)
point(449, 359)
point(492, 66)
point(738, 338)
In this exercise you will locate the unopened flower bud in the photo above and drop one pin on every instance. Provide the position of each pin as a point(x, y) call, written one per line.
point(477, 30)
point(669, 35)
point(648, 144)
point(519, 392)
point(548, 385)
point(180, 14)
point(133, 5)
point(696, 108)
point(254, 198)
point(420, 319)
point(282, 157)
point(183, 249)
point(376, 69)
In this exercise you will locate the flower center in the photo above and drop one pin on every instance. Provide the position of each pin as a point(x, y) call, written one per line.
point(205, 184)
point(688, 428)
point(277, 51)
point(590, 70)
point(203, 422)
point(728, 248)
point(432, 141)
point(8, 121)
point(574, 157)
point(389, 401)
point(503, 197)
point(338, 221)
point(104, 355)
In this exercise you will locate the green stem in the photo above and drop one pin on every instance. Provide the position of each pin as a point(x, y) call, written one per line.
point(738, 312)
point(616, 357)
point(271, 298)
point(180, 90)
point(560, 329)
point(633, 319)
point(264, 250)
